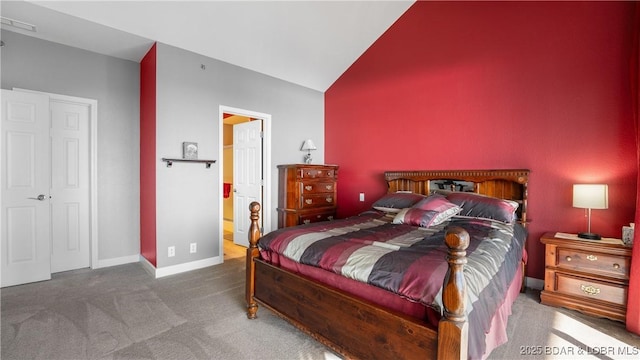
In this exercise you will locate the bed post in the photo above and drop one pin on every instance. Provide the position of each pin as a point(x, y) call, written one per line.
point(453, 328)
point(252, 252)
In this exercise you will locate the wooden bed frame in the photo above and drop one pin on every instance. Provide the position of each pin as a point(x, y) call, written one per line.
point(339, 319)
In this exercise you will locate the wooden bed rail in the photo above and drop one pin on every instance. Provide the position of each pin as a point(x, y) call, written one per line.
point(452, 334)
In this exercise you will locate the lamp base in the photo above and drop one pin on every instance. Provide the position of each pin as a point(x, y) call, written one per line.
point(590, 236)
point(307, 158)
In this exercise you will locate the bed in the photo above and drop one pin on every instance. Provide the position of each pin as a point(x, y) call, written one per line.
point(372, 310)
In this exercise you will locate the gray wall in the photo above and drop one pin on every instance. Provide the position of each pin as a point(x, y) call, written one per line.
point(34, 64)
point(188, 100)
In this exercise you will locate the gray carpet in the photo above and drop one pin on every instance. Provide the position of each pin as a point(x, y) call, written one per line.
point(538, 331)
point(123, 313)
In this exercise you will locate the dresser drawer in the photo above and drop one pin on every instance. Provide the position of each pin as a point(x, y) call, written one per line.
point(316, 217)
point(593, 262)
point(315, 173)
point(315, 187)
point(311, 201)
point(590, 288)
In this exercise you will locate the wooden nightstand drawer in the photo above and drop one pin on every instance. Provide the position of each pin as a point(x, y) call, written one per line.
point(317, 187)
point(590, 288)
point(591, 261)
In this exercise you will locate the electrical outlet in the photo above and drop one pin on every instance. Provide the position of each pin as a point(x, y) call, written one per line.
point(193, 247)
point(171, 251)
point(361, 196)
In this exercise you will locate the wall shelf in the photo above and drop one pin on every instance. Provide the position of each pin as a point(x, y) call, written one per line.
point(207, 163)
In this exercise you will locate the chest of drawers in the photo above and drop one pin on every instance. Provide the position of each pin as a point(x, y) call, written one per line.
point(586, 275)
point(306, 193)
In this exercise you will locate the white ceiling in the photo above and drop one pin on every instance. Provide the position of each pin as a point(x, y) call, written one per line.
point(310, 43)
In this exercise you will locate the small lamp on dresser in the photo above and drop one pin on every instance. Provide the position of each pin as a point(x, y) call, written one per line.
point(307, 146)
point(590, 196)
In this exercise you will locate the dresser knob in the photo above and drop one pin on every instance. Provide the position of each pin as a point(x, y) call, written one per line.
point(568, 258)
point(309, 201)
point(616, 266)
point(308, 187)
point(329, 199)
point(329, 187)
point(592, 257)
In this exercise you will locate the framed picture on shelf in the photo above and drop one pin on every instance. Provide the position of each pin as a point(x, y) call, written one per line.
point(190, 150)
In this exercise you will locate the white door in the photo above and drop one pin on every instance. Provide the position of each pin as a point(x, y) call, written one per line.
point(70, 189)
point(247, 176)
point(26, 175)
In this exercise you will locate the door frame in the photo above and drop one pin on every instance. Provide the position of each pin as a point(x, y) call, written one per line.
point(93, 165)
point(266, 168)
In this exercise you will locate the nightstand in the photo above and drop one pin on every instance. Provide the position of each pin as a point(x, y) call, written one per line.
point(591, 276)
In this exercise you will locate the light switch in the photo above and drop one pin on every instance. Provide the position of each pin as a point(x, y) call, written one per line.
point(361, 196)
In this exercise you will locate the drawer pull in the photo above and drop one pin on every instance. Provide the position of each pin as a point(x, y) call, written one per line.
point(330, 217)
point(309, 201)
point(616, 266)
point(568, 258)
point(592, 257)
point(308, 187)
point(590, 289)
point(329, 187)
point(307, 221)
point(329, 199)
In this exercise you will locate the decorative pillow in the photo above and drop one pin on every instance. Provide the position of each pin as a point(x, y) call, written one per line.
point(432, 210)
point(487, 207)
point(415, 217)
point(396, 201)
point(438, 203)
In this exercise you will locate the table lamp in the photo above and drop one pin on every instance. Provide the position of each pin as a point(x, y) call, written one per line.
point(307, 146)
point(590, 196)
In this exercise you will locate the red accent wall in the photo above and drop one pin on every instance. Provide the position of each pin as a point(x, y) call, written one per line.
point(148, 156)
point(482, 85)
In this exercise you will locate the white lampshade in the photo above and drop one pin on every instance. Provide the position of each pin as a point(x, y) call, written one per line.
point(308, 145)
point(591, 196)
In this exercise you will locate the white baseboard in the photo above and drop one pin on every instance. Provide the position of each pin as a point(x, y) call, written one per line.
point(116, 261)
point(534, 283)
point(180, 268)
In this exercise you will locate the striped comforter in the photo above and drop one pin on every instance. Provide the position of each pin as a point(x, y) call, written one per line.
point(410, 261)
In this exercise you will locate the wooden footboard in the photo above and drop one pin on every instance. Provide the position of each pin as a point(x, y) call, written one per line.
point(354, 327)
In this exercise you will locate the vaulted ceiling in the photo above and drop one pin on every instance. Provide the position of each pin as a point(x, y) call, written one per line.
point(310, 43)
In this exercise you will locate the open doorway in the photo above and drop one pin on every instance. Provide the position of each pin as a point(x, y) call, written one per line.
point(245, 176)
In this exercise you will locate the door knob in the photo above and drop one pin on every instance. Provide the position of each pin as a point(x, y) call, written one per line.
point(40, 197)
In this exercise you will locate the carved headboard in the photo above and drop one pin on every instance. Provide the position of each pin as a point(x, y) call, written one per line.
point(508, 184)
